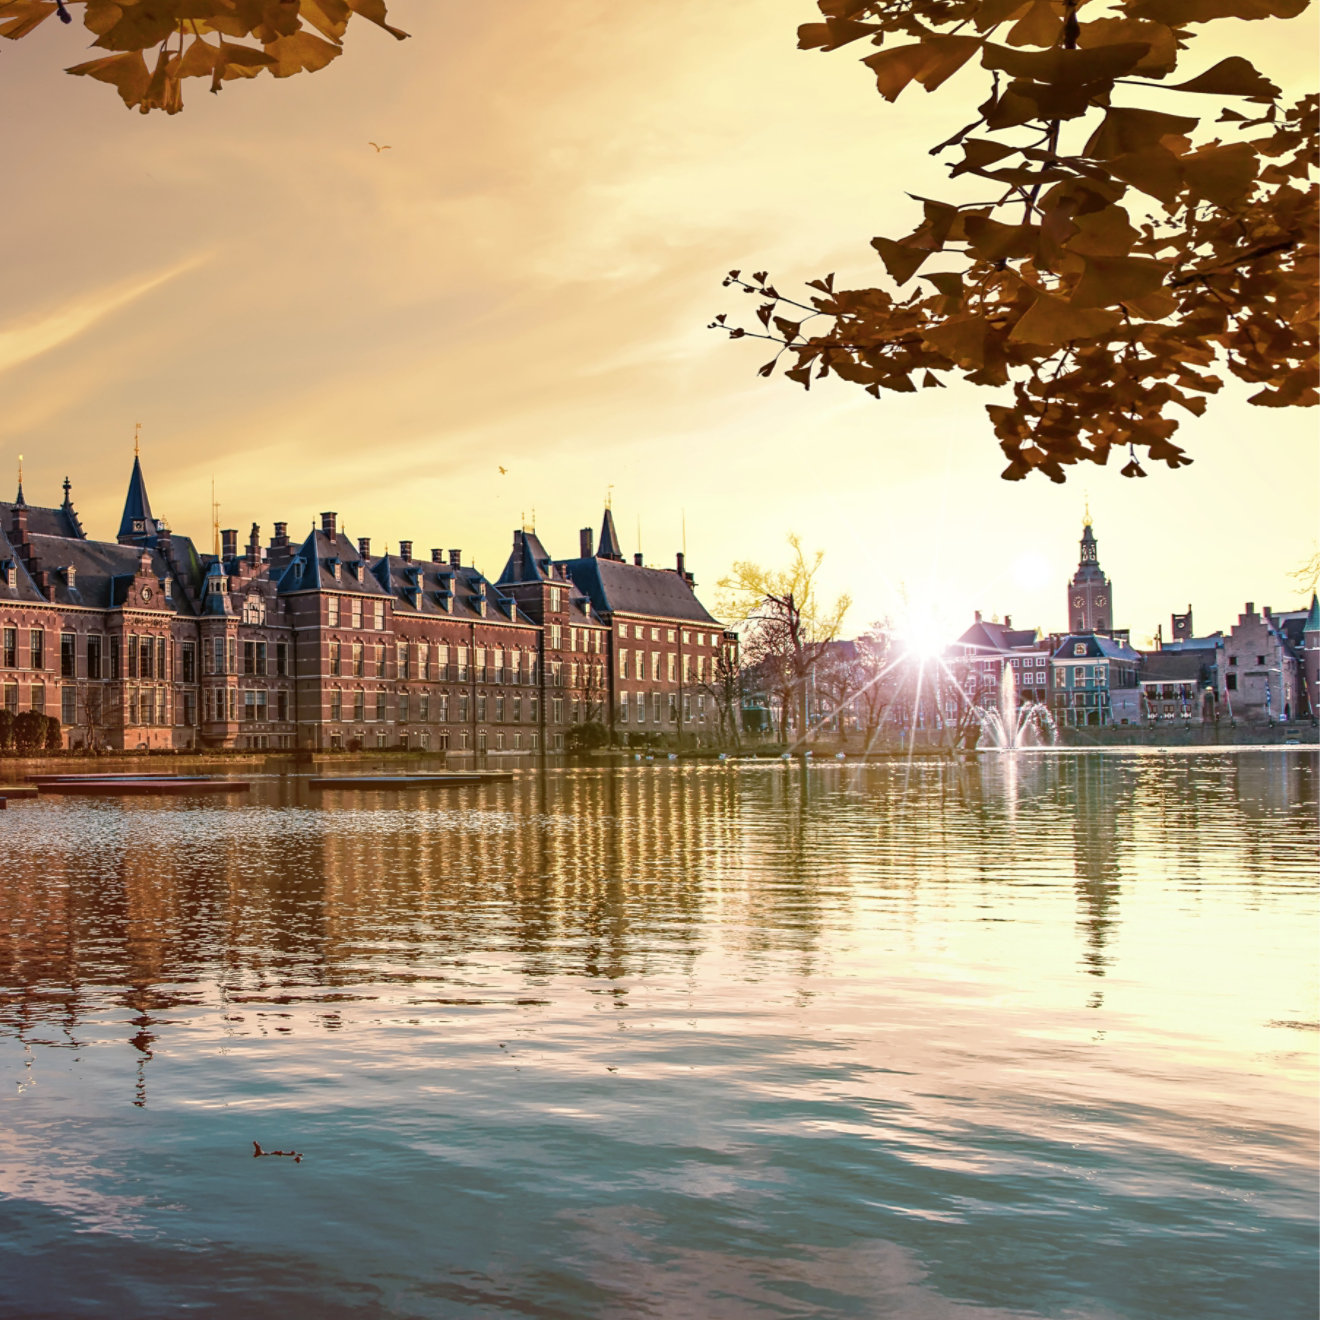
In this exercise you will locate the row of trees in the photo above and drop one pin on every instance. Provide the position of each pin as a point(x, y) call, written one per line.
point(30, 731)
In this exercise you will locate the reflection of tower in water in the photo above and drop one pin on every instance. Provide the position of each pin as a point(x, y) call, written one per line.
point(1098, 794)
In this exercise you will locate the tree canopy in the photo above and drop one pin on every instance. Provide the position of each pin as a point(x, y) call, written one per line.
point(216, 39)
point(1122, 255)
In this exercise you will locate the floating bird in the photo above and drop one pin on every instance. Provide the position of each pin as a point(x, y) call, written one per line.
point(292, 1154)
point(386, 147)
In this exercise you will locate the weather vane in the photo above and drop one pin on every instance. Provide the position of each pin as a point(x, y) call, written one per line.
point(137, 433)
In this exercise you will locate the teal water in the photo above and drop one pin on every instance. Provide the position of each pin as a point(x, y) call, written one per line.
point(1026, 1038)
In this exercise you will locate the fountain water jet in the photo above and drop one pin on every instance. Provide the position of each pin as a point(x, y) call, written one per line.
point(1012, 726)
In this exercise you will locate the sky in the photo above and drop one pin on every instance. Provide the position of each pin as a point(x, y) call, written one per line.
point(523, 280)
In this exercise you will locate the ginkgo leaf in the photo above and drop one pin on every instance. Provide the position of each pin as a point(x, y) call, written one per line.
point(1222, 175)
point(299, 52)
point(1054, 322)
point(929, 62)
point(19, 17)
point(1234, 76)
point(901, 261)
point(1107, 281)
point(127, 72)
point(1041, 25)
point(1126, 129)
point(374, 12)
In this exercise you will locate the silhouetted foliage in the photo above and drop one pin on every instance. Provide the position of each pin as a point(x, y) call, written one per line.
point(1120, 256)
point(216, 39)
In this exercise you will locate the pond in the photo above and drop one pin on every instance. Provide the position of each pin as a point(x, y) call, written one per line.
point(1031, 1036)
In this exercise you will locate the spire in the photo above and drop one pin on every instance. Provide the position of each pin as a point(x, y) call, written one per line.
point(18, 499)
point(609, 538)
point(1086, 514)
point(137, 521)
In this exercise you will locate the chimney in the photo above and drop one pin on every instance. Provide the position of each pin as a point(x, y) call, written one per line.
point(254, 546)
point(437, 555)
point(405, 551)
point(229, 543)
point(1008, 620)
point(637, 559)
point(978, 616)
point(1251, 608)
point(364, 546)
point(280, 541)
point(584, 543)
point(1266, 612)
point(678, 565)
point(455, 559)
point(328, 523)
point(20, 522)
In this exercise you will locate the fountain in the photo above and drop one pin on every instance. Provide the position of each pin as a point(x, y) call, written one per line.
point(1012, 727)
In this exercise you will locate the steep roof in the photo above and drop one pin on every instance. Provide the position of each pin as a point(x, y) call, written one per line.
point(137, 518)
point(1174, 666)
point(49, 522)
point(24, 589)
point(997, 637)
point(1097, 647)
point(312, 568)
point(103, 571)
point(615, 587)
point(1313, 618)
point(528, 561)
point(609, 547)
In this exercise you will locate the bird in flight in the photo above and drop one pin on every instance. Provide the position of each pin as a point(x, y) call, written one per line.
point(379, 149)
point(504, 472)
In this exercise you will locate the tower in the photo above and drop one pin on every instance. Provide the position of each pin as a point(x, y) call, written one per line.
point(1090, 601)
point(137, 526)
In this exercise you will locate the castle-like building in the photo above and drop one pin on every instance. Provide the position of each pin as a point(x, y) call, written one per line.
point(146, 642)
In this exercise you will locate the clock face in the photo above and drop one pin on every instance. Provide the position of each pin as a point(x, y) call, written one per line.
point(1078, 601)
point(146, 593)
point(1099, 600)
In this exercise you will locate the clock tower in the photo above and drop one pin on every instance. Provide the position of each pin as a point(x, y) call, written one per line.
point(1090, 601)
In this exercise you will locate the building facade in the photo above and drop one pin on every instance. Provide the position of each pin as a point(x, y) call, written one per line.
point(145, 642)
point(1090, 595)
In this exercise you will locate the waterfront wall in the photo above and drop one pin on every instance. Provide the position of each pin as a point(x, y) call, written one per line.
point(1223, 734)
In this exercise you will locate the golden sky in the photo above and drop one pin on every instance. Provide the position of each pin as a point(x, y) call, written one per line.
point(524, 279)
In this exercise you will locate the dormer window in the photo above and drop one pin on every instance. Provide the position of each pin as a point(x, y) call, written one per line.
point(11, 573)
point(71, 577)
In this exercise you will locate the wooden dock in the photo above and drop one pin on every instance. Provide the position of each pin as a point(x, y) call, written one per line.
point(117, 787)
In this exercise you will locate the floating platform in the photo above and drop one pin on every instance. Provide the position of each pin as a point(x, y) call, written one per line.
point(18, 790)
point(455, 780)
point(107, 778)
point(141, 787)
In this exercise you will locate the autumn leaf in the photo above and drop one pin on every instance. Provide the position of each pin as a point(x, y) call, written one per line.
point(1054, 322)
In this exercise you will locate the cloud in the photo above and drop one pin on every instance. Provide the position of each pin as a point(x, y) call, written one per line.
point(29, 339)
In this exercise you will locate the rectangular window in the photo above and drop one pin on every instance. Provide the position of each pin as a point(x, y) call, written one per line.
point(282, 704)
point(336, 705)
point(640, 665)
point(673, 707)
point(558, 710)
point(381, 714)
point(10, 660)
point(359, 705)
point(282, 659)
point(336, 663)
point(68, 658)
point(401, 659)
point(403, 708)
point(69, 704)
point(641, 708)
point(1231, 682)
point(623, 708)
point(623, 662)
point(162, 650)
point(37, 648)
point(379, 615)
point(190, 709)
point(332, 611)
point(188, 663)
point(672, 666)
point(443, 714)
point(655, 666)
point(93, 655)
point(499, 710)
point(556, 637)
point(231, 655)
point(424, 708)
point(146, 657)
point(358, 663)
point(11, 698)
point(355, 613)
point(481, 707)
point(532, 709)
point(133, 648)
point(655, 707)
point(463, 709)
point(517, 710)
point(38, 698)
point(461, 655)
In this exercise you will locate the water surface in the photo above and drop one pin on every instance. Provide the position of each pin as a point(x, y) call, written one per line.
point(1032, 1037)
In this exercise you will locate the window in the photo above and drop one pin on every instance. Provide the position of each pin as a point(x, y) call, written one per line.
point(481, 707)
point(639, 664)
point(701, 707)
point(190, 709)
point(423, 660)
point(1232, 660)
point(68, 658)
point(531, 709)
point(282, 659)
point(623, 708)
point(1079, 648)
point(11, 698)
point(254, 704)
point(641, 708)
point(556, 604)
point(424, 708)
point(673, 707)
point(401, 657)
point(669, 635)
point(68, 704)
point(556, 637)
point(146, 657)
point(499, 710)
point(188, 665)
point(403, 708)
point(517, 709)
point(558, 710)
point(655, 634)
point(332, 611)
point(673, 665)
point(359, 705)
point(378, 613)
point(355, 613)
point(655, 664)
point(37, 648)
point(37, 698)
point(381, 715)
point(254, 657)
point(463, 709)
point(623, 662)
point(1260, 659)
point(282, 704)
point(443, 713)
point(655, 708)
point(1231, 682)
point(336, 663)
point(254, 609)
point(336, 705)
point(358, 664)
point(11, 648)
point(93, 655)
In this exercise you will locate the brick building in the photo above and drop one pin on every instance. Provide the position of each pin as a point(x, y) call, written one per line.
point(147, 642)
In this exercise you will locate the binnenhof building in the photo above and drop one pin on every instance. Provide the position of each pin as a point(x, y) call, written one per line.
point(144, 642)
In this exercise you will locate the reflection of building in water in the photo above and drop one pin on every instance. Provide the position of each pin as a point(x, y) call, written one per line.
point(1100, 802)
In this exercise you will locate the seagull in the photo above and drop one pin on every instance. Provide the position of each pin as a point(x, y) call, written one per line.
point(379, 149)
